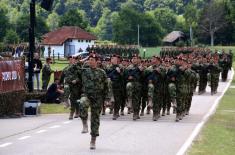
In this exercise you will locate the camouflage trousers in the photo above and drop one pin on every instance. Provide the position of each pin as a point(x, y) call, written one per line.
point(214, 82)
point(181, 103)
point(202, 82)
point(224, 74)
point(172, 91)
point(118, 95)
point(133, 90)
point(74, 104)
point(158, 100)
point(94, 101)
point(109, 100)
point(166, 104)
point(188, 102)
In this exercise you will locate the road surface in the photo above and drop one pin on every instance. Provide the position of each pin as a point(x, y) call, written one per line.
point(56, 135)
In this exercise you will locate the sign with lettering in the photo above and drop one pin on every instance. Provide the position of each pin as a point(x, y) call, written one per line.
point(12, 76)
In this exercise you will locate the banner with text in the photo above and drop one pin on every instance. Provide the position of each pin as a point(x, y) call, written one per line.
point(12, 76)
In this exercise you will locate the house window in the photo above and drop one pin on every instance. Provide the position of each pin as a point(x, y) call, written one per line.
point(79, 40)
point(87, 41)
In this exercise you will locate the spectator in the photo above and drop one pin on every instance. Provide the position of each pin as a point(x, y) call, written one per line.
point(37, 65)
point(54, 92)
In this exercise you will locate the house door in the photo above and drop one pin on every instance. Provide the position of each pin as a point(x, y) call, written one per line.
point(69, 50)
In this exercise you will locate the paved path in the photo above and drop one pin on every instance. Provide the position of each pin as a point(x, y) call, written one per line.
point(55, 135)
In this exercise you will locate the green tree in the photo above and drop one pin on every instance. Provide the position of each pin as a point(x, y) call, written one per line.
point(104, 27)
point(4, 22)
point(97, 10)
point(73, 18)
point(11, 37)
point(125, 28)
point(191, 17)
point(53, 21)
point(212, 19)
point(166, 18)
point(22, 27)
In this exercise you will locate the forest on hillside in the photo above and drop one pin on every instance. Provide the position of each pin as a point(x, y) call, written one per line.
point(210, 21)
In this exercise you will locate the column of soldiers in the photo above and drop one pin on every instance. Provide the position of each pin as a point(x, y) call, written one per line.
point(123, 51)
point(159, 83)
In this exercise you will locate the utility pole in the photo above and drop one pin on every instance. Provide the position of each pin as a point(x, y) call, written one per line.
point(31, 44)
point(138, 35)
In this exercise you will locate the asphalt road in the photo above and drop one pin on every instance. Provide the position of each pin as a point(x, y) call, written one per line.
point(56, 135)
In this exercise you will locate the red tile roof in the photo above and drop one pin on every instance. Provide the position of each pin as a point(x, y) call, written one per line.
point(59, 36)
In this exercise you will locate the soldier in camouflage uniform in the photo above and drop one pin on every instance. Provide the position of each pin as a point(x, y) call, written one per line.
point(181, 89)
point(203, 71)
point(115, 74)
point(171, 78)
point(46, 73)
point(74, 80)
point(157, 78)
point(214, 70)
point(64, 82)
point(94, 85)
point(225, 65)
point(133, 77)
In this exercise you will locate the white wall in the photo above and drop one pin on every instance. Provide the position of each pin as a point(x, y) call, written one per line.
point(82, 44)
point(60, 49)
point(57, 49)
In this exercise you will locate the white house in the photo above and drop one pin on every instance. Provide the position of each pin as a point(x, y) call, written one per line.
point(67, 41)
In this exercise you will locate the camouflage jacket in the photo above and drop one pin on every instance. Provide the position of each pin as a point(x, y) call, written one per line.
point(94, 81)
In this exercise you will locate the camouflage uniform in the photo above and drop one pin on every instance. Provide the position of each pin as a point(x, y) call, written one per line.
point(181, 89)
point(157, 77)
point(46, 75)
point(116, 79)
point(203, 70)
point(225, 65)
point(74, 74)
point(214, 75)
point(134, 88)
point(94, 85)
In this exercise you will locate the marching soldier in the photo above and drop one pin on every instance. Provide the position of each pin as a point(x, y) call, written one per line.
point(94, 85)
point(115, 74)
point(134, 73)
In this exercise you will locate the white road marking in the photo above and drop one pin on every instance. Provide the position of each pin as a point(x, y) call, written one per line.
point(199, 126)
point(23, 138)
point(67, 122)
point(55, 126)
point(5, 144)
point(41, 131)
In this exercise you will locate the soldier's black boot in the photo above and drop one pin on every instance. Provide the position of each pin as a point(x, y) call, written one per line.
point(92, 144)
point(71, 115)
point(129, 111)
point(148, 110)
point(122, 112)
point(103, 111)
point(177, 118)
point(155, 117)
point(142, 112)
point(85, 126)
point(135, 116)
point(168, 112)
point(76, 114)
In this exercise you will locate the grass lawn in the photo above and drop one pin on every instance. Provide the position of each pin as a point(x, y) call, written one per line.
point(218, 135)
point(53, 109)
